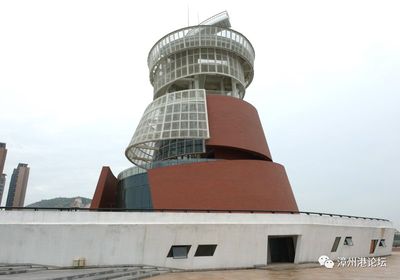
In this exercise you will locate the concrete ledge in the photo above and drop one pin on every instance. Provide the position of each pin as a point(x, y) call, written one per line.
point(115, 238)
point(64, 217)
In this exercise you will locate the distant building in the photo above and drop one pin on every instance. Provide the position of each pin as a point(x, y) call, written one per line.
point(3, 154)
point(18, 183)
point(2, 185)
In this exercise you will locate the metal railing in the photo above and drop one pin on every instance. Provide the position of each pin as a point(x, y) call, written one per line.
point(201, 36)
point(75, 209)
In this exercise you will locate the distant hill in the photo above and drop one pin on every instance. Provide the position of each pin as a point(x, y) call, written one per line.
point(63, 202)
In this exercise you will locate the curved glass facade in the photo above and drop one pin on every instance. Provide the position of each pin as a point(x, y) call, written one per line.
point(174, 148)
point(134, 192)
point(201, 36)
point(134, 170)
point(198, 61)
point(131, 171)
point(176, 115)
point(184, 66)
point(190, 57)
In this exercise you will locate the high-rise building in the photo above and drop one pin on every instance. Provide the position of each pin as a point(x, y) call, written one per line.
point(2, 185)
point(198, 144)
point(3, 154)
point(18, 184)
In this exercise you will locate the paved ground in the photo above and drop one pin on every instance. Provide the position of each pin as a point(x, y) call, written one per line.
point(280, 272)
point(27, 272)
point(300, 272)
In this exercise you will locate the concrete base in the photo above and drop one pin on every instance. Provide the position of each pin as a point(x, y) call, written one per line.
point(116, 238)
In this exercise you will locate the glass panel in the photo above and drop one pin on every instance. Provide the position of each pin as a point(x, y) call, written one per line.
point(335, 244)
point(348, 241)
point(180, 252)
point(372, 246)
point(155, 127)
point(205, 250)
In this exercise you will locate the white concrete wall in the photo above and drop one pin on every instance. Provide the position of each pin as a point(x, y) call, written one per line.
point(109, 238)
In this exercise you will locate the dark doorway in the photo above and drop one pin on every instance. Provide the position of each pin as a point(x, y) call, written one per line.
point(281, 249)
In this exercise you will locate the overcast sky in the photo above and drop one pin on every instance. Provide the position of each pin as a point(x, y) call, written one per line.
point(74, 83)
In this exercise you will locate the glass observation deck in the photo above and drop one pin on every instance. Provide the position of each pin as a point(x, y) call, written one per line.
point(186, 65)
point(199, 50)
point(176, 115)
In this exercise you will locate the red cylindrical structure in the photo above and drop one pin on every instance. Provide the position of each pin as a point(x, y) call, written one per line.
point(222, 185)
point(198, 144)
point(235, 127)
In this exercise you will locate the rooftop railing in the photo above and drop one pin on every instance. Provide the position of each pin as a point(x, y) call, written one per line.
point(77, 209)
point(201, 36)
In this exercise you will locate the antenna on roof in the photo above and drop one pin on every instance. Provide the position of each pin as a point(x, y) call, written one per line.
point(188, 14)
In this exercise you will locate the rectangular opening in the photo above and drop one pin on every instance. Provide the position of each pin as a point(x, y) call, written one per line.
point(348, 241)
point(335, 244)
point(205, 250)
point(281, 249)
point(382, 243)
point(372, 246)
point(179, 251)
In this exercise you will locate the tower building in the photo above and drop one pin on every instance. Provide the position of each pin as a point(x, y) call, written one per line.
point(3, 154)
point(2, 185)
point(203, 191)
point(18, 184)
point(199, 145)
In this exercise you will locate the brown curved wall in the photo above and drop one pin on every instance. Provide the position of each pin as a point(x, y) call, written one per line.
point(235, 123)
point(223, 185)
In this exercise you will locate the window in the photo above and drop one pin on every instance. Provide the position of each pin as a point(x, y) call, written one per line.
point(179, 251)
point(348, 241)
point(382, 243)
point(373, 246)
point(335, 244)
point(169, 117)
point(205, 250)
